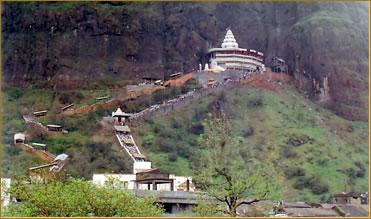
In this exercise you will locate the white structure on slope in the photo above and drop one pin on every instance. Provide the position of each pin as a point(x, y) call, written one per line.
point(143, 176)
point(5, 197)
point(230, 56)
point(129, 181)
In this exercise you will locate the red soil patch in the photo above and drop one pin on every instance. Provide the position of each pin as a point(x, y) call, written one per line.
point(267, 80)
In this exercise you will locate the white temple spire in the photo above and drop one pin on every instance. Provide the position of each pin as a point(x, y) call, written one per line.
point(229, 40)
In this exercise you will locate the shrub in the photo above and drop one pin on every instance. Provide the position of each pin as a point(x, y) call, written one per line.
point(361, 169)
point(77, 198)
point(350, 172)
point(175, 124)
point(70, 97)
point(107, 81)
point(248, 131)
point(172, 157)
point(163, 145)
point(313, 183)
point(207, 210)
point(196, 129)
point(294, 171)
point(298, 139)
point(288, 152)
point(319, 188)
point(15, 93)
point(184, 151)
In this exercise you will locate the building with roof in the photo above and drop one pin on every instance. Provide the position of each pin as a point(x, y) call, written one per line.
point(19, 138)
point(150, 179)
point(120, 115)
point(230, 56)
point(279, 65)
point(143, 176)
point(350, 198)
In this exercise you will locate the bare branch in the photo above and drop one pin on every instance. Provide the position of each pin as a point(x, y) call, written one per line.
point(248, 202)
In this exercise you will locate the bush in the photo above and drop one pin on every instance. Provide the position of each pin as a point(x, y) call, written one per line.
point(350, 172)
point(163, 145)
point(298, 139)
point(294, 171)
point(196, 129)
point(319, 188)
point(172, 157)
point(361, 169)
point(175, 123)
point(353, 173)
point(313, 183)
point(248, 131)
point(184, 151)
point(70, 97)
point(107, 81)
point(15, 93)
point(288, 152)
point(207, 210)
point(77, 198)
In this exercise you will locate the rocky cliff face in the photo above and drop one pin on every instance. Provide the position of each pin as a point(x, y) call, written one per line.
point(70, 44)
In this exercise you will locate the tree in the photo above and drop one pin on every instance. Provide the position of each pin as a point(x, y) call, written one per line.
point(76, 197)
point(222, 172)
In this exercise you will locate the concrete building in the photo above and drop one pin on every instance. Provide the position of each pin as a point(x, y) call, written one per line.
point(230, 56)
point(153, 179)
point(19, 138)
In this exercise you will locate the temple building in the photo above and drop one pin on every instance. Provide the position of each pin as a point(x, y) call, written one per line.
point(231, 57)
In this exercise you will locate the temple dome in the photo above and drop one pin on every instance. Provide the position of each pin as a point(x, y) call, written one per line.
point(229, 40)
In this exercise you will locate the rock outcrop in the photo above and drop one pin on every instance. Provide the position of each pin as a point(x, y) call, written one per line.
point(67, 45)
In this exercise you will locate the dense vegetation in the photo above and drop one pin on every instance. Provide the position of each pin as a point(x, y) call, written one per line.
point(312, 152)
point(77, 198)
point(88, 144)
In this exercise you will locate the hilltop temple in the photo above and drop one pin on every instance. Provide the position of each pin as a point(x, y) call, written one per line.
point(231, 57)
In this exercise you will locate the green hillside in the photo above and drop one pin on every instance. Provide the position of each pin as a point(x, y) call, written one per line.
point(311, 152)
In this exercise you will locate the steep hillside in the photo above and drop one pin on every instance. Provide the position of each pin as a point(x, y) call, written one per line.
point(90, 149)
point(91, 146)
point(62, 45)
point(310, 151)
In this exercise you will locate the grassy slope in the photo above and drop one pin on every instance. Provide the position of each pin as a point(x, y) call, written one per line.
point(94, 154)
point(87, 144)
point(331, 145)
point(264, 120)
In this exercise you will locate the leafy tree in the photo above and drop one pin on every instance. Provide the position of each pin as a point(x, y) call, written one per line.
point(222, 172)
point(76, 197)
point(204, 209)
